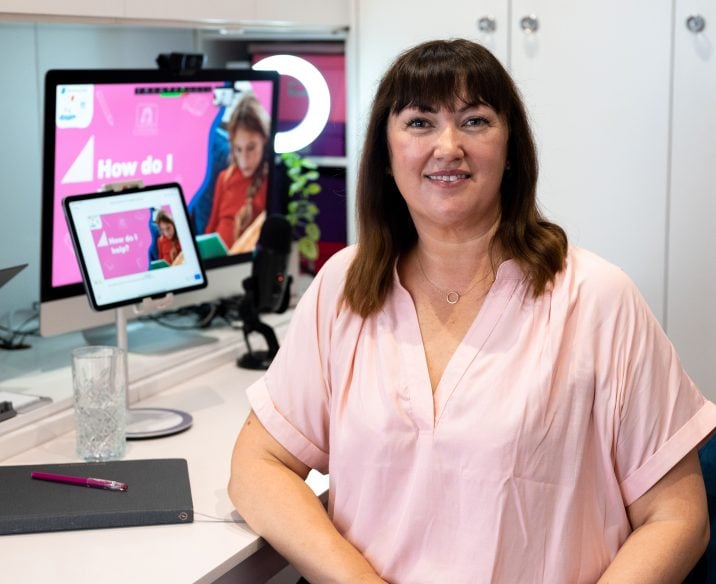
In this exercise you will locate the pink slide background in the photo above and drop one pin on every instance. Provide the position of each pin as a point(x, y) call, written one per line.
point(128, 239)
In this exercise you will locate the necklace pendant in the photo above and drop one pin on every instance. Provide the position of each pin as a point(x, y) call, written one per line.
point(452, 297)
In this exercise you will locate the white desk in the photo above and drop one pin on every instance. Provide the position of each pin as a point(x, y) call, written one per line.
point(200, 552)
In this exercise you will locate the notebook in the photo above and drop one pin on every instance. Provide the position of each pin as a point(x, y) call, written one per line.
point(158, 264)
point(158, 493)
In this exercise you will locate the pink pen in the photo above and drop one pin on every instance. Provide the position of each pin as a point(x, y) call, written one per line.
point(81, 481)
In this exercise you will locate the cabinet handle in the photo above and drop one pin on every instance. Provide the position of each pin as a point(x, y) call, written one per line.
point(696, 23)
point(487, 24)
point(529, 24)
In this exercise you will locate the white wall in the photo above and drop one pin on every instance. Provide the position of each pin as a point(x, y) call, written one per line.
point(28, 50)
point(20, 164)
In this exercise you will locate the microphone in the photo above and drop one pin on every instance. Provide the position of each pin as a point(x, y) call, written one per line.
point(268, 273)
point(267, 290)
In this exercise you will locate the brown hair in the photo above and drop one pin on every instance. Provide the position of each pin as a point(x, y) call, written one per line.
point(429, 75)
point(164, 217)
point(250, 115)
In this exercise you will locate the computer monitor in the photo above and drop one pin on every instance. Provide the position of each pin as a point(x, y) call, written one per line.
point(113, 129)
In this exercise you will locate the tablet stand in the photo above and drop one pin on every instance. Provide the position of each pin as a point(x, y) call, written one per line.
point(148, 422)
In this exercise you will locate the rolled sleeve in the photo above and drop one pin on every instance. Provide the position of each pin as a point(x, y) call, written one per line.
point(283, 431)
point(662, 415)
point(670, 453)
point(293, 399)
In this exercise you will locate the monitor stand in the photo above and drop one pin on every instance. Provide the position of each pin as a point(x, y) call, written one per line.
point(148, 422)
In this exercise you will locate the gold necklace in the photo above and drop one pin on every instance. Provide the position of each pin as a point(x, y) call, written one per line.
point(452, 296)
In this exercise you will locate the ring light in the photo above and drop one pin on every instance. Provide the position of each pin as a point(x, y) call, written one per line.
point(319, 100)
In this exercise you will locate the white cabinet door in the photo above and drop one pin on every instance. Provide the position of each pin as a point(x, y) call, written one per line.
point(92, 8)
point(382, 29)
point(206, 10)
point(288, 12)
point(691, 315)
point(304, 13)
point(595, 76)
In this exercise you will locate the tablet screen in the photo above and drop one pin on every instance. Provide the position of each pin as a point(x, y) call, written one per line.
point(134, 244)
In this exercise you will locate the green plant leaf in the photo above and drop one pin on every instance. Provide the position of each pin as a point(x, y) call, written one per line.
point(313, 231)
point(308, 248)
point(294, 172)
point(301, 213)
point(290, 158)
point(295, 188)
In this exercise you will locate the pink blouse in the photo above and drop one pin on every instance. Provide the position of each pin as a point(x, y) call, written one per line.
point(552, 416)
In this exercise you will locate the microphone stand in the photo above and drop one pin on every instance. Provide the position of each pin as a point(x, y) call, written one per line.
point(252, 323)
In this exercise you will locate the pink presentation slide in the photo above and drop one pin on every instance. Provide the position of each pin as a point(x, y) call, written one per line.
point(122, 241)
point(119, 133)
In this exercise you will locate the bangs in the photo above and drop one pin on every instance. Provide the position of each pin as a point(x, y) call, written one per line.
point(434, 77)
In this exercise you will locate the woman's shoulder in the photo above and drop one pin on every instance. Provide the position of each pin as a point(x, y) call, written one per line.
point(586, 262)
point(591, 276)
point(334, 270)
point(323, 296)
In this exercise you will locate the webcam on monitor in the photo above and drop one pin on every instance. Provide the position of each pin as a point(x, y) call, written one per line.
point(180, 63)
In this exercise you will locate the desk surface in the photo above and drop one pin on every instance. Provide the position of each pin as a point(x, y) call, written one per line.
point(215, 543)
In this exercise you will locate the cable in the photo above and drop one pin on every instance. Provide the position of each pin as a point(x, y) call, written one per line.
point(215, 519)
point(225, 309)
point(18, 335)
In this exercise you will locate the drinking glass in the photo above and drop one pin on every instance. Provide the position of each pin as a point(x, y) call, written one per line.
point(100, 401)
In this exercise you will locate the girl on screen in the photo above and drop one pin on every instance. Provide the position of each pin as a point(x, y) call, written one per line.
point(168, 245)
point(240, 193)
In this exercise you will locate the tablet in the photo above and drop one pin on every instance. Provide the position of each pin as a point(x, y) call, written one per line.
point(134, 244)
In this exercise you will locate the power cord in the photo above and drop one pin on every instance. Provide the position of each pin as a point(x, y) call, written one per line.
point(202, 315)
point(17, 335)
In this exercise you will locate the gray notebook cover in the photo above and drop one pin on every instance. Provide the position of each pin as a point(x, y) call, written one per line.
point(159, 492)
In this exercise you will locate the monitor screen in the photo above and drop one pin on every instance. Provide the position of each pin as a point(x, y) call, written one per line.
point(133, 245)
point(113, 129)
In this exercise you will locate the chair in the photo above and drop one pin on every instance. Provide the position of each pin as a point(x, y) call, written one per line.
point(705, 571)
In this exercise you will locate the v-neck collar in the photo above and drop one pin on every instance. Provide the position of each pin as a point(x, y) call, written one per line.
point(427, 407)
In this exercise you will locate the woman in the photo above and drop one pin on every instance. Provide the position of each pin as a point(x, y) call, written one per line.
point(492, 404)
point(240, 193)
point(168, 244)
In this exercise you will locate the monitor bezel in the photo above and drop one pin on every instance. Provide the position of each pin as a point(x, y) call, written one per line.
point(55, 77)
point(81, 253)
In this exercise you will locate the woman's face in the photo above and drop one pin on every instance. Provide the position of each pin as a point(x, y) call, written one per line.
point(166, 229)
point(248, 150)
point(448, 165)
